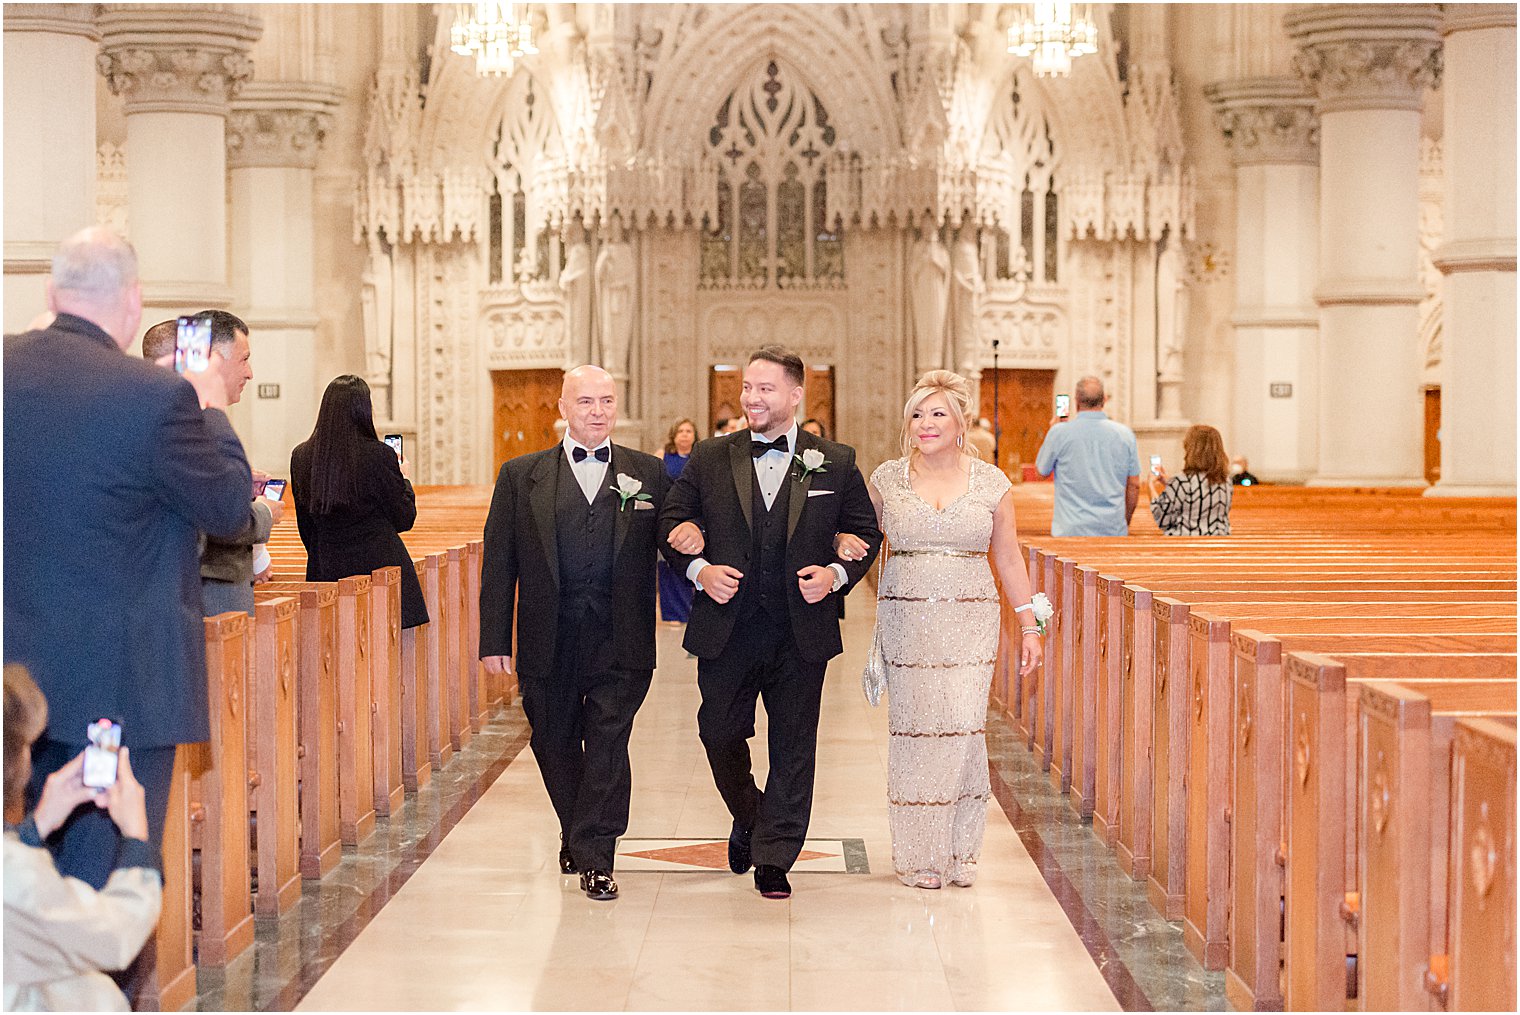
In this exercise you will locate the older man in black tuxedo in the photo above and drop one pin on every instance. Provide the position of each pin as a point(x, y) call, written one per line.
point(768, 501)
point(112, 464)
point(568, 526)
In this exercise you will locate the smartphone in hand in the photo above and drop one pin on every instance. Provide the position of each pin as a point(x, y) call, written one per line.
point(394, 440)
point(1155, 465)
point(274, 489)
point(1063, 406)
point(101, 754)
point(192, 344)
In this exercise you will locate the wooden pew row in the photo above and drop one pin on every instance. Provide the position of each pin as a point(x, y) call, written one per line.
point(1424, 752)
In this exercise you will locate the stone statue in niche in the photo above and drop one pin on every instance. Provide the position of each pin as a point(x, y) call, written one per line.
point(575, 281)
point(1173, 304)
point(929, 288)
point(615, 281)
point(375, 308)
point(965, 297)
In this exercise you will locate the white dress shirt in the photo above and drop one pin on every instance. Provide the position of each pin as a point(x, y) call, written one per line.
point(589, 472)
point(771, 471)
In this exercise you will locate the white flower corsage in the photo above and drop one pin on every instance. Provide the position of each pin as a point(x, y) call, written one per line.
point(811, 460)
point(628, 489)
point(1039, 607)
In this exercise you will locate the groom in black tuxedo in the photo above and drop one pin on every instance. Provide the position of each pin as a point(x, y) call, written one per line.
point(768, 501)
point(568, 526)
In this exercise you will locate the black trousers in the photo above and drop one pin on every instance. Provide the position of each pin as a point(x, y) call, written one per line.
point(761, 662)
point(581, 718)
point(85, 846)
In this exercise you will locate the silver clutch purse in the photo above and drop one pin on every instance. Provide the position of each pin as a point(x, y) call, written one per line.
point(873, 680)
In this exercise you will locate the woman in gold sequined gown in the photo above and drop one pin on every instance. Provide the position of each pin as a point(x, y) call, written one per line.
point(949, 522)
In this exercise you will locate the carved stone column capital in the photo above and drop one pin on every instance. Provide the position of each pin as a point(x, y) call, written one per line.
point(57, 19)
point(1367, 56)
point(279, 124)
point(1267, 120)
point(1459, 17)
point(180, 58)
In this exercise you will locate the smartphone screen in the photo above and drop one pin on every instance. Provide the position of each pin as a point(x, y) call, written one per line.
point(100, 755)
point(1155, 465)
point(1063, 405)
point(394, 440)
point(192, 344)
point(274, 489)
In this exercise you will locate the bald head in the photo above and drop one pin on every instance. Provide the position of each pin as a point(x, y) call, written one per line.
point(95, 277)
point(588, 404)
point(1089, 392)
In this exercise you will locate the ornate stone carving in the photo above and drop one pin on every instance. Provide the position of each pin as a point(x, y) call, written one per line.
point(279, 124)
point(1362, 56)
point(1266, 120)
point(111, 199)
point(183, 58)
point(1432, 232)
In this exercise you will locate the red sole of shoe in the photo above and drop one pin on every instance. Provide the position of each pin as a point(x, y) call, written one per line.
point(775, 895)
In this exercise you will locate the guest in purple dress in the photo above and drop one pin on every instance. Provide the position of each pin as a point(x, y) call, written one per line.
point(675, 589)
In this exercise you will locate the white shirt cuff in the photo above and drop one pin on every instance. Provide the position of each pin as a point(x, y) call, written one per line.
point(694, 569)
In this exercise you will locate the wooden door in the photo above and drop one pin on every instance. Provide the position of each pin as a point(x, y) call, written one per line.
point(527, 407)
point(1025, 402)
point(725, 384)
point(1432, 434)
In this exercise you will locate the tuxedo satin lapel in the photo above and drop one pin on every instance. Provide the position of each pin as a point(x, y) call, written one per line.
point(625, 513)
point(545, 479)
point(800, 486)
point(742, 460)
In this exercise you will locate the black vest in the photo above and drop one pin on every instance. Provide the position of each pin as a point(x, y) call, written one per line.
point(586, 535)
point(765, 582)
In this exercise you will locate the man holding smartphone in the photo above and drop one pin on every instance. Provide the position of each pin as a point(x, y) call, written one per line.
point(228, 568)
point(112, 467)
point(1096, 462)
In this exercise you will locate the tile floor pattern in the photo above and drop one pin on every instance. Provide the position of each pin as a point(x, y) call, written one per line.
point(486, 922)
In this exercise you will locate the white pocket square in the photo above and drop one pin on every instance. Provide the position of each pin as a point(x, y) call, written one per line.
point(642, 505)
point(820, 493)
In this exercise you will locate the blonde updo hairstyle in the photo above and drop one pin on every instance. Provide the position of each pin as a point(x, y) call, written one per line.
point(957, 394)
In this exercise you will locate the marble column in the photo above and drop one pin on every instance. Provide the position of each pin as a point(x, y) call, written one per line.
point(49, 143)
point(177, 67)
point(1273, 134)
point(1477, 255)
point(1369, 65)
point(274, 133)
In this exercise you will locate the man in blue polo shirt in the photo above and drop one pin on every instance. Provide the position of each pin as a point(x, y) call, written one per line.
point(1097, 467)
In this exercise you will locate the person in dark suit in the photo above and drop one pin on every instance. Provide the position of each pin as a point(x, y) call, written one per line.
point(768, 502)
point(567, 527)
point(112, 464)
point(352, 496)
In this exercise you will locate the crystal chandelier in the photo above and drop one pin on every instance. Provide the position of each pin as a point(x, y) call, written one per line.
point(496, 35)
point(1053, 33)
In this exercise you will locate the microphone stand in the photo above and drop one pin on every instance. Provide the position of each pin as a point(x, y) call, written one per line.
point(997, 431)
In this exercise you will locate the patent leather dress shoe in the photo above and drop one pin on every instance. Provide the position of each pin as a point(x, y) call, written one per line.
point(738, 849)
point(598, 885)
point(567, 862)
point(771, 882)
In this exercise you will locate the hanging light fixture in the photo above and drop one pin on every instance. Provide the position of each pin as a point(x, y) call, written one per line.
point(496, 35)
point(1053, 34)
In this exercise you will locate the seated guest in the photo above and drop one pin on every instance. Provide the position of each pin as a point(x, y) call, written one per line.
point(1196, 503)
point(353, 497)
point(60, 933)
point(1240, 472)
point(815, 427)
point(675, 589)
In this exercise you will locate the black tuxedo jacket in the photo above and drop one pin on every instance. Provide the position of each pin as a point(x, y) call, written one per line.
point(522, 557)
point(111, 466)
point(716, 490)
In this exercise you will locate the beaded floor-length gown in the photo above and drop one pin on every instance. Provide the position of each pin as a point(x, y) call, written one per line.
point(938, 616)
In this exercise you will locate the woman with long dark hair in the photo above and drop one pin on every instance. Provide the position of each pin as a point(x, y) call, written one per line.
point(352, 496)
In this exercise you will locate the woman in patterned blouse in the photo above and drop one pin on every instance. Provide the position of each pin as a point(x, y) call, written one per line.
point(1196, 503)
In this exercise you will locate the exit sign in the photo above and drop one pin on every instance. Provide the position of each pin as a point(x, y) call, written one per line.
point(1281, 389)
point(269, 391)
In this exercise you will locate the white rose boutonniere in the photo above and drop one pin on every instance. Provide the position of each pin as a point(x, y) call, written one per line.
point(628, 489)
point(811, 460)
point(1043, 611)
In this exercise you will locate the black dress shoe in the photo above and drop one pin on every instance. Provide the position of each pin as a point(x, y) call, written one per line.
point(738, 848)
point(598, 885)
point(771, 882)
point(567, 862)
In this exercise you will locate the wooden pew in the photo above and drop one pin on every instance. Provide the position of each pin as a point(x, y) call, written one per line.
point(440, 690)
point(219, 770)
point(386, 691)
point(356, 779)
point(174, 939)
point(273, 755)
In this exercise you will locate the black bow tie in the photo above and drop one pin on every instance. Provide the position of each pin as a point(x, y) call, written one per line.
point(601, 454)
point(758, 448)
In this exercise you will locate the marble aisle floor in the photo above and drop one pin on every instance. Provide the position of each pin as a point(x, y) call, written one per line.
point(486, 922)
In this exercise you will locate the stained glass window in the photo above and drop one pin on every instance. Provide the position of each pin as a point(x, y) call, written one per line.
point(828, 254)
point(1052, 233)
point(754, 206)
point(495, 232)
point(791, 225)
